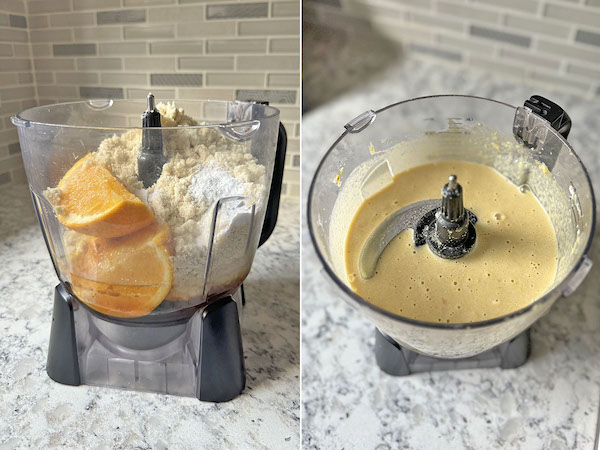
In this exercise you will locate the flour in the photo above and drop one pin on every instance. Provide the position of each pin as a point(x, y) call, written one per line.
point(212, 183)
point(203, 166)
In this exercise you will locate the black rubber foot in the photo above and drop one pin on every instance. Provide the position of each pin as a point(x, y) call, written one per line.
point(221, 374)
point(62, 365)
point(399, 361)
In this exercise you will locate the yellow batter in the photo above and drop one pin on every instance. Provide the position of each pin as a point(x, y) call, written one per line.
point(513, 262)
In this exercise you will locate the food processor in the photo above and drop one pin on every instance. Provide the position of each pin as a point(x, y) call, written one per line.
point(525, 144)
point(105, 330)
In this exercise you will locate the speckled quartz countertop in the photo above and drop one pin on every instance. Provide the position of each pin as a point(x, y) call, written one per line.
point(551, 402)
point(36, 412)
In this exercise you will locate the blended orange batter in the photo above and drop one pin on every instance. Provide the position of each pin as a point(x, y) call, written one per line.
point(513, 263)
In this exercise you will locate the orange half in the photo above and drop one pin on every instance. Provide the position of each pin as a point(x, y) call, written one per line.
point(92, 201)
point(123, 277)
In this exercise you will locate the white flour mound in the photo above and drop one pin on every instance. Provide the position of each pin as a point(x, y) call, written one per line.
point(203, 167)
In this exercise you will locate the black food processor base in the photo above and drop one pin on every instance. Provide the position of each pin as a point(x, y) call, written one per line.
point(399, 361)
point(200, 357)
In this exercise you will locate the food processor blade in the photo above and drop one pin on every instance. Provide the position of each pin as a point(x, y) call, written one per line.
point(444, 224)
point(151, 159)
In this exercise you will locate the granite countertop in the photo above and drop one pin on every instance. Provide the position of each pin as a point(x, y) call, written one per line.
point(551, 402)
point(36, 412)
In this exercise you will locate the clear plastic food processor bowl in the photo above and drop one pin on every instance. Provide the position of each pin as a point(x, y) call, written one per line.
point(451, 128)
point(54, 137)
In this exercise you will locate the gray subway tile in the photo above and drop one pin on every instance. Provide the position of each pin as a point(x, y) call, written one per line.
point(461, 43)
point(12, 6)
point(435, 51)
point(205, 29)
point(74, 49)
point(569, 50)
point(237, 79)
point(177, 47)
point(296, 161)
point(121, 16)
point(72, 19)
point(13, 149)
point(44, 77)
point(230, 11)
point(17, 21)
point(119, 79)
point(42, 64)
point(12, 162)
point(327, 2)
point(500, 36)
point(152, 32)
point(495, 66)
point(8, 79)
point(99, 63)
point(237, 46)
point(76, 78)
point(579, 16)
point(206, 63)
point(529, 58)
point(269, 28)
point(150, 63)
point(538, 26)
point(584, 71)
point(5, 178)
point(41, 49)
point(587, 37)
point(148, 2)
point(18, 175)
point(93, 34)
point(529, 6)
point(176, 14)
point(94, 4)
point(272, 96)
point(21, 50)
point(285, 45)
point(285, 9)
point(437, 22)
point(13, 35)
point(178, 79)
point(58, 92)
point(6, 50)
point(283, 80)
point(561, 81)
point(468, 11)
point(14, 64)
point(38, 22)
point(100, 92)
point(47, 6)
point(268, 62)
point(61, 35)
point(123, 48)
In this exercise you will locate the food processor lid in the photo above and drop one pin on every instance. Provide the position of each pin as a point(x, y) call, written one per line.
point(538, 123)
point(239, 114)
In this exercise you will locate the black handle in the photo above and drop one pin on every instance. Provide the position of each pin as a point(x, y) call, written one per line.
point(550, 111)
point(275, 192)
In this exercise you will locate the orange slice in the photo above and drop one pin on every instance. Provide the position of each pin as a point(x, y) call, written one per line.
point(92, 201)
point(123, 277)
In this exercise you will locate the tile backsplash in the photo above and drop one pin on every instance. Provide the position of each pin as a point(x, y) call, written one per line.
point(551, 42)
point(59, 50)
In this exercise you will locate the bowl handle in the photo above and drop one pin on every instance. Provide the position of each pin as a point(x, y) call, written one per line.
point(275, 192)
